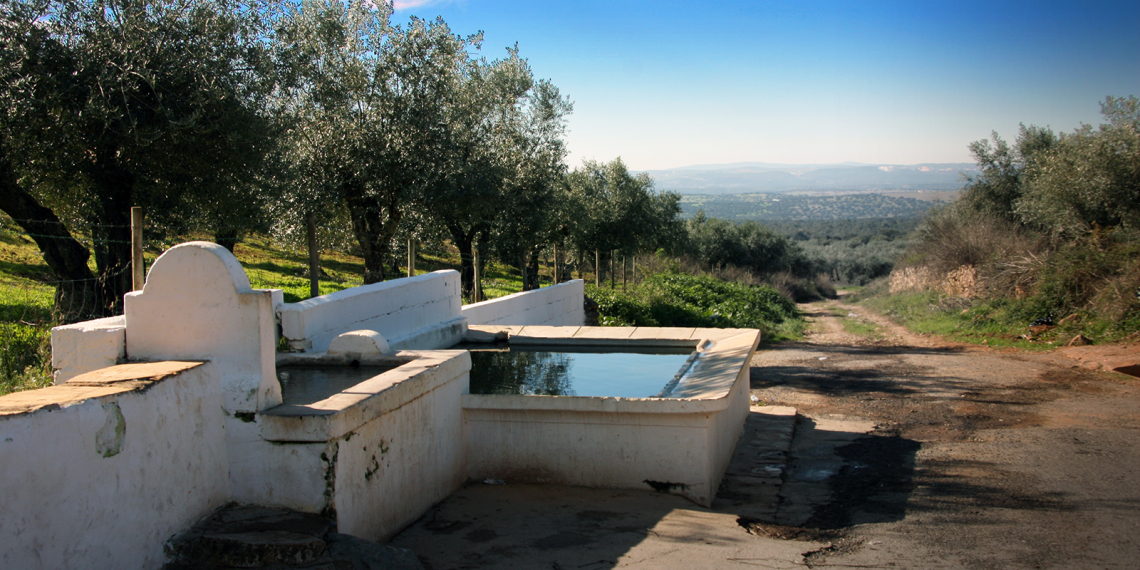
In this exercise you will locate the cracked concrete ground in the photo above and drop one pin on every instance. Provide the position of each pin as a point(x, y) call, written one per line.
point(907, 452)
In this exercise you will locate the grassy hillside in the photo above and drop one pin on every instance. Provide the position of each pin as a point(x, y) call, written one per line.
point(679, 300)
point(27, 292)
point(1044, 241)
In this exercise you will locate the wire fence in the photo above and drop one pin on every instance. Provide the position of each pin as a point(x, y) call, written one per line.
point(32, 294)
point(33, 291)
point(25, 334)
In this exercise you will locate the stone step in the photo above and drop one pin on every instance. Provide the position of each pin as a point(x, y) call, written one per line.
point(249, 536)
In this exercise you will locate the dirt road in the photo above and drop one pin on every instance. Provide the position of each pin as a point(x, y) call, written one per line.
point(905, 452)
point(976, 458)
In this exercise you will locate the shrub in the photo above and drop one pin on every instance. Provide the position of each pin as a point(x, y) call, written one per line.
point(678, 300)
point(25, 357)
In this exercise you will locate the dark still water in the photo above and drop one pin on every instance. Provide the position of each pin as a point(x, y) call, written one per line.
point(558, 372)
point(303, 385)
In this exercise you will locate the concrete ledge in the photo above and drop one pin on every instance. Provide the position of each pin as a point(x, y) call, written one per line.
point(346, 411)
point(86, 346)
point(542, 334)
point(662, 333)
point(589, 404)
point(100, 383)
point(494, 330)
point(719, 366)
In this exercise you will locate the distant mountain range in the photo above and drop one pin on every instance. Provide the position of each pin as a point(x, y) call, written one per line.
point(749, 177)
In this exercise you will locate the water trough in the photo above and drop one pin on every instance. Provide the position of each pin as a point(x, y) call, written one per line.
point(681, 443)
point(375, 451)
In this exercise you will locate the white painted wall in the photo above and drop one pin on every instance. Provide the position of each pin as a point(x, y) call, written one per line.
point(421, 312)
point(197, 304)
point(67, 505)
point(619, 442)
point(558, 305)
point(395, 467)
point(86, 346)
point(388, 449)
point(603, 450)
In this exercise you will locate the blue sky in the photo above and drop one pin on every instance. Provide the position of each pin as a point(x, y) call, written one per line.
point(667, 84)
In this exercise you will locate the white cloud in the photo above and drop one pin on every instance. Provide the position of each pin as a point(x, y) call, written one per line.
point(406, 4)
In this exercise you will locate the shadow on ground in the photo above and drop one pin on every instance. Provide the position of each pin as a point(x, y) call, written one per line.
point(846, 371)
point(550, 526)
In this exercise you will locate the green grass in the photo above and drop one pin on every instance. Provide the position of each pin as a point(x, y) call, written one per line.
point(998, 322)
point(272, 268)
point(25, 315)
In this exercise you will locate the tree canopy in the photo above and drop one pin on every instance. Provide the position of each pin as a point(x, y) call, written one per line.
point(119, 103)
point(1065, 184)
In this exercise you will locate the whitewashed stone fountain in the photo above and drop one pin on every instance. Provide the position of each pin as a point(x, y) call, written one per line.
point(163, 415)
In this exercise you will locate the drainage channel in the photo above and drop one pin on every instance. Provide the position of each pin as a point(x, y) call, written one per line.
point(782, 470)
point(752, 482)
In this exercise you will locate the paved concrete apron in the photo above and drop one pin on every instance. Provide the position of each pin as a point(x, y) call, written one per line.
point(549, 526)
point(907, 452)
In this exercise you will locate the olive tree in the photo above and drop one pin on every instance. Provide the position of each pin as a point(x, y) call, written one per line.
point(528, 218)
point(1089, 178)
point(117, 103)
point(622, 211)
point(501, 163)
point(362, 101)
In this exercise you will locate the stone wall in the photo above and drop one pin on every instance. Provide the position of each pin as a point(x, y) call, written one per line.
point(421, 312)
point(961, 282)
point(99, 472)
point(558, 305)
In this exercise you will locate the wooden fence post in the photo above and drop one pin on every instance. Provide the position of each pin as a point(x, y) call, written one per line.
point(613, 272)
point(478, 289)
point(138, 263)
point(411, 257)
point(314, 255)
point(597, 269)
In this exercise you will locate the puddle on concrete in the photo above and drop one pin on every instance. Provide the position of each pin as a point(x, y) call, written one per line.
point(813, 475)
